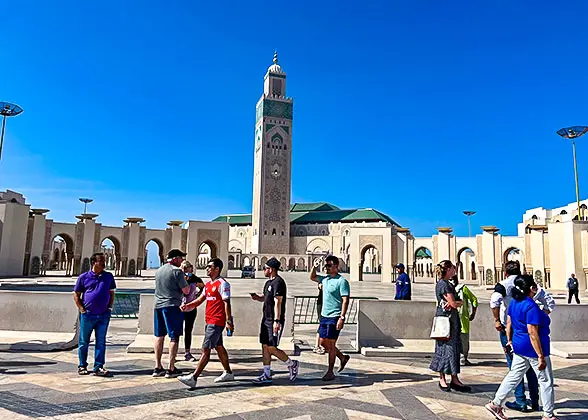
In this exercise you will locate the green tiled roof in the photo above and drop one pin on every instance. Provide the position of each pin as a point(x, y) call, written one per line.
point(422, 253)
point(235, 219)
point(297, 207)
point(324, 213)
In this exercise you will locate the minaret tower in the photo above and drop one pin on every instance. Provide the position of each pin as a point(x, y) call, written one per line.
point(272, 180)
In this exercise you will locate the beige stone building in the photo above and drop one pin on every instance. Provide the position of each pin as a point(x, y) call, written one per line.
point(550, 244)
point(32, 244)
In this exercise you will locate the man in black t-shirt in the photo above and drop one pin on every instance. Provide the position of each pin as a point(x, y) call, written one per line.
point(272, 322)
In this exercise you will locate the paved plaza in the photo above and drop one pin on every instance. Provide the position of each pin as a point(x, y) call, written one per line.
point(46, 385)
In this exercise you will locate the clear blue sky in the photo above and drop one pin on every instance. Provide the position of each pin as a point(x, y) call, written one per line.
point(418, 109)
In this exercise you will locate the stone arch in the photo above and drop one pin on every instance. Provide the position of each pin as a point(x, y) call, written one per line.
point(283, 262)
point(231, 264)
point(213, 247)
point(255, 262)
point(114, 265)
point(317, 246)
point(464, 267)
point(246, 261)
point(510, 253)
point(292, 264)
point(263, 260)
point(207, 250)
point(160, 252)
point(370, 257)
point(67, 262)
point(236, 246)
point(301, 265)
point(423, 258)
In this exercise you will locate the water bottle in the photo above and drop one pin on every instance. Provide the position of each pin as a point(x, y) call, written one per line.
point(229, 333)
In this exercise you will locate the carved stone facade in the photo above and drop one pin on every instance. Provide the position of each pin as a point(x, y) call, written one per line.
point(272, 166)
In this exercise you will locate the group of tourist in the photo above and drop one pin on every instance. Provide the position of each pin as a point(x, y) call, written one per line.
point(521, 311)
point(178, 292)
point(520, 308)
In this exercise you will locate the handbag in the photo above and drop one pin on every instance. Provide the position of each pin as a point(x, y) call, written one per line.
point(441, 329)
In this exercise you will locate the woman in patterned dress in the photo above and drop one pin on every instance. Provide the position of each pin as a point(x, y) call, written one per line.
point(447, 352)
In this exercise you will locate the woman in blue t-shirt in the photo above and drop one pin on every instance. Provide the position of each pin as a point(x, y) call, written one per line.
point(527, 332)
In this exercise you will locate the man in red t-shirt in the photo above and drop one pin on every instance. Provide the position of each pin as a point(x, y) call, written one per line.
point(217, 294)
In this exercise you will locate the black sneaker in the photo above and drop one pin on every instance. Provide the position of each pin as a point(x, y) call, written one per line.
point(82, 370)
point(158, 373)
point(169, 374)
point(102, 372)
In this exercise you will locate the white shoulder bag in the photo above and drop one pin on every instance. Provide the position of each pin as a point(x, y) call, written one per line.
point(441, 329)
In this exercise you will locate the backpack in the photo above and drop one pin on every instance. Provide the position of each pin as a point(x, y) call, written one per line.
point(574, 283)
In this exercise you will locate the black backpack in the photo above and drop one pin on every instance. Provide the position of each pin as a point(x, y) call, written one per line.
point(574, 284)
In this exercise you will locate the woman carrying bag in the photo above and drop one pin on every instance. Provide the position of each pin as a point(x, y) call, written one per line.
point(447, 348)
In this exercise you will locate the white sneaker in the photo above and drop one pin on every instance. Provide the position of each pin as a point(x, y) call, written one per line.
point(225, 377)
point(188, 380)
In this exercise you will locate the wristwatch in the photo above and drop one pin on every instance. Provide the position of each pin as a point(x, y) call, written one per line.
point(342, 317)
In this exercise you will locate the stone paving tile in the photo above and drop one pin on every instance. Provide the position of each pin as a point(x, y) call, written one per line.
point(368, 389)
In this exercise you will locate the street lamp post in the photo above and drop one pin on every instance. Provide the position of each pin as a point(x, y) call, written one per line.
point(469, 214)
point(7, 110)
point(86, 201)
point(573, 133)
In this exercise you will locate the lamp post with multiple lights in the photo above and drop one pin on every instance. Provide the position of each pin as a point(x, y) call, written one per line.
point(86, 201)
point(469, 214)
point(573, 133)
point(7, 110)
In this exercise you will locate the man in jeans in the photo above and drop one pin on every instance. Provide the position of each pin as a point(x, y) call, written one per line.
point(499, 302)
point(573, 288)
point(335, 303)
point(168, 319)
point(94, 297)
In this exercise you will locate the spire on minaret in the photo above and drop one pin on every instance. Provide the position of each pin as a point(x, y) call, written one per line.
point(275, 68)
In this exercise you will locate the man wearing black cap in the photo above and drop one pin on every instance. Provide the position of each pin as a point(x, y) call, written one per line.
point(272, 322)
point(403, 291)
point(170, 286)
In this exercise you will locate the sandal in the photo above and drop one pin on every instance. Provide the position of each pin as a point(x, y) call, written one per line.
point(82, 370)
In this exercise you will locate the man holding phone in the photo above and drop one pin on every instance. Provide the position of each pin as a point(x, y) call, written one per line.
point(272, 322)
point(335, 303)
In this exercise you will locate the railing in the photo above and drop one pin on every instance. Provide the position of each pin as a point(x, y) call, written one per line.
point(126, 305)
point(306, 311)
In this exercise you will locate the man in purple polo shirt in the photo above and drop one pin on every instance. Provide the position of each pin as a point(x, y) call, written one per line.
point(94, 297)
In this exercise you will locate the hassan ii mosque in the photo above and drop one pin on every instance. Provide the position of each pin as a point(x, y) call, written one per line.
point(550, 243)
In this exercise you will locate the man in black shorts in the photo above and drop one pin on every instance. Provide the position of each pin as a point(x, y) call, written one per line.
point(272, 322)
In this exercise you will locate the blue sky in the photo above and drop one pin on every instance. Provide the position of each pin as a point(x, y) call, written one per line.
point(418, 109)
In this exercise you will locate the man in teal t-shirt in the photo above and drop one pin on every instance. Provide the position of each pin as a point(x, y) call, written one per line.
point(335, 303)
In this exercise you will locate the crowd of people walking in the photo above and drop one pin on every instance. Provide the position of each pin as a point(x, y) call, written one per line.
point(521, 310)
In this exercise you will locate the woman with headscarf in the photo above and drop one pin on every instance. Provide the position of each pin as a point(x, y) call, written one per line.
point(527, 332)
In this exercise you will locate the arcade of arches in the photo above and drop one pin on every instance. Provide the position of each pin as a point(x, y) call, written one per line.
point(42, 245)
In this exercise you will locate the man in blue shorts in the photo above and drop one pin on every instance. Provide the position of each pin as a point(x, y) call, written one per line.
point(335, 303)
point(168, 318)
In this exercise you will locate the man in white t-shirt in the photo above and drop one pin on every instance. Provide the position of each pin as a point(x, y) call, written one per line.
point(499, 302)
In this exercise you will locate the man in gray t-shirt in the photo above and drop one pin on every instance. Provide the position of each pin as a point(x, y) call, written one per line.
point(168, 319)
point(169, 282)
